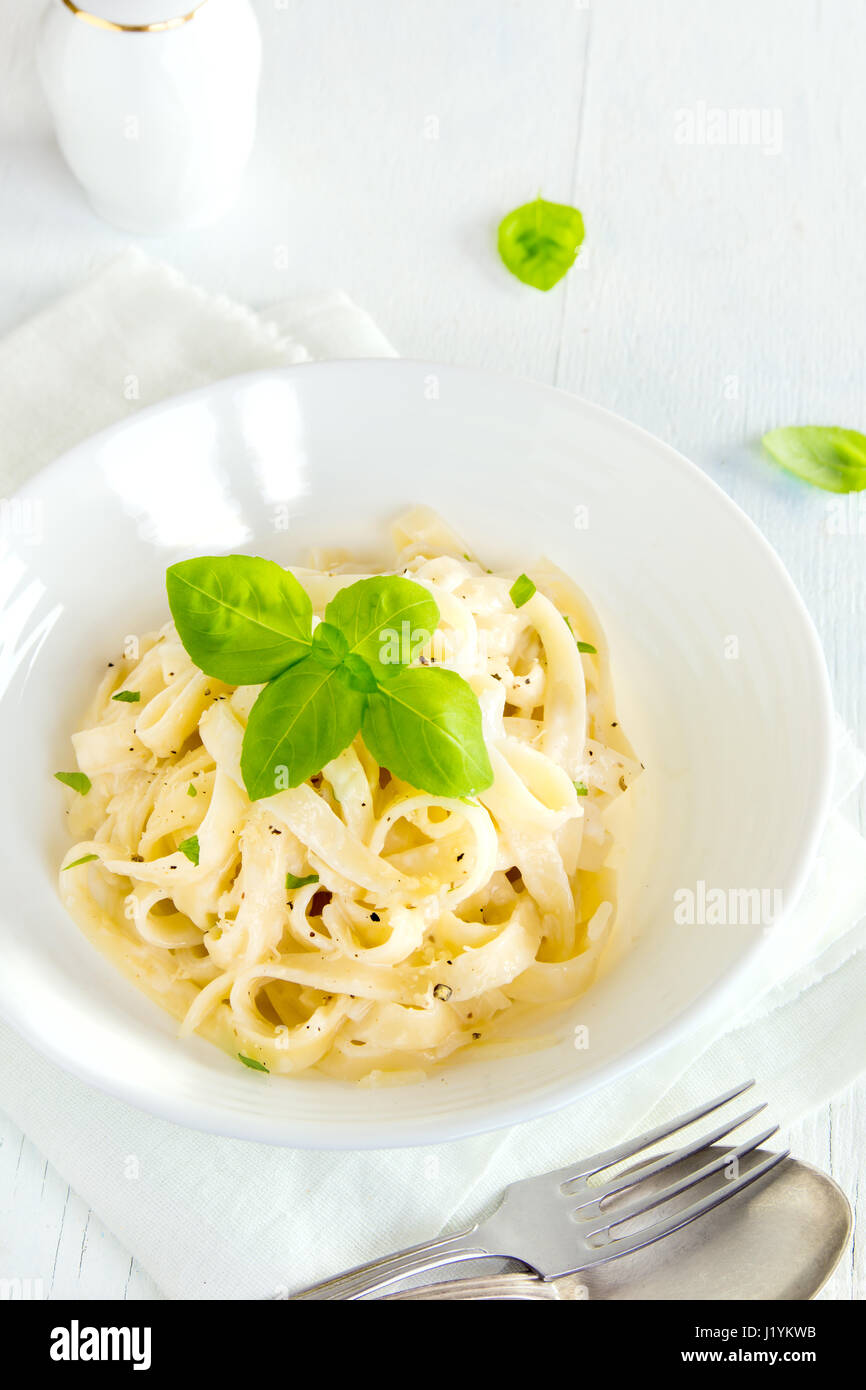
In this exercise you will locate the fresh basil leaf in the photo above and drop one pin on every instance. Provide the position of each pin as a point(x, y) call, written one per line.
point(424, 726)
point(521, 590)
point(78, 781)
point(329, 644)
point(539, 242)
point(299, 722)
point(386, 619)
point(293, 882)
point(241, 618)
point(251, 1062)
point(359, 675)
point(129, 697)
point(581, 788)
point(831, 458)
point(190, 848)
point(85, 859)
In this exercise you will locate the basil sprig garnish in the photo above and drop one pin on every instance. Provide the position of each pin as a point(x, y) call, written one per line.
point(245, 624)
point(828, 457)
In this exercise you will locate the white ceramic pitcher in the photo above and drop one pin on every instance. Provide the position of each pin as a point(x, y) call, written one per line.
point(154, 103)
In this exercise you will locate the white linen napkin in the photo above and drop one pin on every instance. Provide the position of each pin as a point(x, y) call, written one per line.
point(220, 1218)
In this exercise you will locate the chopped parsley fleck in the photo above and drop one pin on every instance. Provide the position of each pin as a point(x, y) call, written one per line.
point(581, 646)
point(85, 859)
point(251, 1062)
point(521, 590)
point(293, 882)
point(78, 781)
point(190, 848)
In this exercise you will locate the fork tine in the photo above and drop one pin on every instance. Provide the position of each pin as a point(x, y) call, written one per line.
point(596, 1162)
point(632, 1176)
point(627, 1244)
point(655, 1199)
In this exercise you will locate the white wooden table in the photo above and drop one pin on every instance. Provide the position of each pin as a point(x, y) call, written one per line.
point(722, 289)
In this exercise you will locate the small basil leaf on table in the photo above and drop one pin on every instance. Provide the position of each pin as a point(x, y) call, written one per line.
point(242, 619)
point(385, 619)
point(299, 722)
point(424, 726)
point(824, 455)
point(539, 242)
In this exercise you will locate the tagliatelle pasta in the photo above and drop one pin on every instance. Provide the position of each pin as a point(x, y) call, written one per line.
point(354, 924)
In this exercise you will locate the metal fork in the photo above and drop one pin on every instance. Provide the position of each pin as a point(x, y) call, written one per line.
point(556, 1223)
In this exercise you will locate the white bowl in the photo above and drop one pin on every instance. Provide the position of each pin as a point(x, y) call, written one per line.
point(722, 689)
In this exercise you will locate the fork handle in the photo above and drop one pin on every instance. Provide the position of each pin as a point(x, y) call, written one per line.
point(379, 1273)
